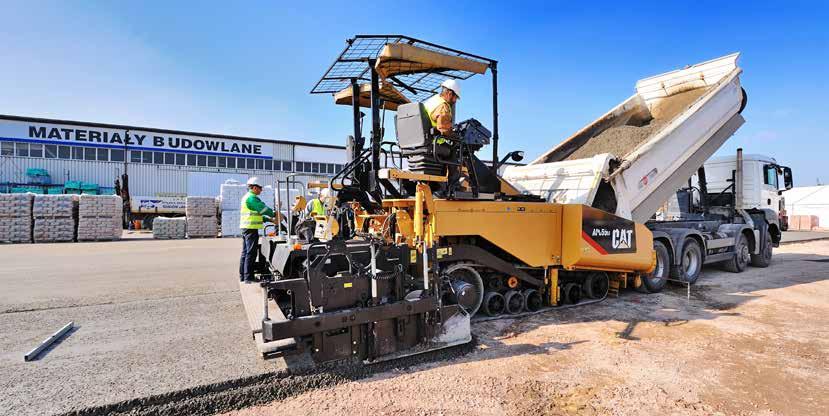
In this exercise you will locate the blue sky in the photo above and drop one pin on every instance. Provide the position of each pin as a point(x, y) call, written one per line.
point(246, 69)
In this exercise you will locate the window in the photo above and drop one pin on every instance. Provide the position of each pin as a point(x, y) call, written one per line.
point(158, 158)
point(260, 164)
point(191, 160)
point(77, 153)
point(771, 176)
point(7, 149)
point(269, 164)
point(35, 150)
point(330, 168)
point(135, 156)
point(181, 159)
point(116, 155)
point(103, 154)
point(64, 152)
point(222, 161)
point(315, 167)
point(338, 168)
point(240, 163)
point(211, 161)
point(51, 151)
point(21, 149)
point(251, 163)
point(89, 153)
point(202, 161)
point(231, 162)
point(147, 157)
point(286, 165)
point(276, 165)
point(169, 158)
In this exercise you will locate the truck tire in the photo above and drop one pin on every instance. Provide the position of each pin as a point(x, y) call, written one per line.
point(763, 259)
point(742, 255)
point(656, 280)
point(690, 264)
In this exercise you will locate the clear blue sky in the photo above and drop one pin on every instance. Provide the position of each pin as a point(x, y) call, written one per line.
point(246, 69)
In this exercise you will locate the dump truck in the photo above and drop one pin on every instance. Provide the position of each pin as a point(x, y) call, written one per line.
point(406, 258)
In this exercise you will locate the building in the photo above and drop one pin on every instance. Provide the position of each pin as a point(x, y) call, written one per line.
point(159, 162)
point(810, 201)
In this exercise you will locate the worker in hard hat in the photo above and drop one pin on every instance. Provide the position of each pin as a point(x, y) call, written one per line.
point(317, 205)
point(441, 107)
point(253, 213)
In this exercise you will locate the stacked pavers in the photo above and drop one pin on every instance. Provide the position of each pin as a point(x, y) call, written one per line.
point(100, 217)
point(169, 228)
point(201, 217)
point(231, 194)
point(16, 218)
point(55, 218)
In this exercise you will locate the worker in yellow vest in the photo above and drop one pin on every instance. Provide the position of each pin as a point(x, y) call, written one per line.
point(253, 213)
point(317, 205)
point(441, 107)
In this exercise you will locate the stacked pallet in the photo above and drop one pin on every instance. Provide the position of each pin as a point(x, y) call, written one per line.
point(169, 228)
point(55, 218)
point(231, 194)
point(201, 217)
point(100, 218)
point(16, 218)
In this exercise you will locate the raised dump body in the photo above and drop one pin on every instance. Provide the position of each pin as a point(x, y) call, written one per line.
point(633, 158)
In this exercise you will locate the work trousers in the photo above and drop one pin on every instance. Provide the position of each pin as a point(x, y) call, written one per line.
point(250, 242)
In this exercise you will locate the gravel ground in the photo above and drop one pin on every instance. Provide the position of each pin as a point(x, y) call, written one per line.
point(754, 343)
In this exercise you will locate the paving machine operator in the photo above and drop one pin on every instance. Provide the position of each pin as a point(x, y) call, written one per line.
point(441, 107)
point(252, 219)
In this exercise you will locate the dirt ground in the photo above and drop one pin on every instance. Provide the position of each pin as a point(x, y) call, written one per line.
point(755, 343)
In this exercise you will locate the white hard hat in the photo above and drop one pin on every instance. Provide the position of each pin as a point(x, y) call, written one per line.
point(453, 85)
point(325, 192)
point(254, 181)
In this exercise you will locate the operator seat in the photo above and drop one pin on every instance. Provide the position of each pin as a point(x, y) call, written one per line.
point(416, 136)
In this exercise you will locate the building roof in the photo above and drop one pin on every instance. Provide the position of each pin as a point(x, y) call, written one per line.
point(808, 195)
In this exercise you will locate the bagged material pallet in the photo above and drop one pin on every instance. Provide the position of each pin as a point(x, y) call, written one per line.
point(55, 206)
point(199, 227)
point(169, 228)
point(200, 206)
point(55, 218)
point(100, 217)
point(54, 230)
point(230, 224)
point(232, 192)
point(16, 218)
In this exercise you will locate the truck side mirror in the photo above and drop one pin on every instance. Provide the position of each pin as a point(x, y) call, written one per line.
point(787, 177)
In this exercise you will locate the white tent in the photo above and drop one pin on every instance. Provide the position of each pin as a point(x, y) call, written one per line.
point(809, 200)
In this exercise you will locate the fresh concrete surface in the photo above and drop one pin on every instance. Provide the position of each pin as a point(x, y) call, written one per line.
point(152, 317)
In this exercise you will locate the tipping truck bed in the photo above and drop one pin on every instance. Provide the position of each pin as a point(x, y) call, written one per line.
point(634, 157)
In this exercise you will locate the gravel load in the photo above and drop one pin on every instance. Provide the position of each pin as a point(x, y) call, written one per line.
point(100, 218)
point(622, 140)
point(16, 218)
point(169, 228)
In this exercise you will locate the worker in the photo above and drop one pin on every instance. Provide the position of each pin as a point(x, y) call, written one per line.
point(253, 213)
point(441, 107)
point(317, 205)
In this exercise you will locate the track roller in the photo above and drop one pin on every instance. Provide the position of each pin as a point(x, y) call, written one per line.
point(514, 301)
point(596, 285)
point(493, 304)
point(532, 300)
point(571, 293)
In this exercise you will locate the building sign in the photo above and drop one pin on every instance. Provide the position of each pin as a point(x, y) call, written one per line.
point(130, 139)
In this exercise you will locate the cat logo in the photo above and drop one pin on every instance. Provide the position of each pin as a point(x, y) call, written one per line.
point(621, 239)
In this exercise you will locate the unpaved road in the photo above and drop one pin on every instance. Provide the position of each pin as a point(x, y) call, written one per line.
point(755, 343)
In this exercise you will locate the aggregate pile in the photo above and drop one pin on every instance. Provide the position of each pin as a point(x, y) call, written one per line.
point(16, 218)
point(201, 215)
point(169, 228)
point(55, 218)
point(622, 140)
point(100, 218)
point(230, 195)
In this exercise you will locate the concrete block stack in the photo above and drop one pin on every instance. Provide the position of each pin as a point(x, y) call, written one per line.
point(169, 228)
point(201, 217)
point(55, 218)
point(231, 194)
point(100, 218)
point(16, 218)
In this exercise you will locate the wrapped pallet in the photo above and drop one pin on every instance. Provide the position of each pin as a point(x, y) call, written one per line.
point(55, 218)
point(230, 194)
point(169, 228)
point(202, 220)
point(100, 218)
point(16, 218)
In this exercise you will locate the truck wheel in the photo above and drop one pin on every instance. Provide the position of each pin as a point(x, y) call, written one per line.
point(742, 256)
point(763, 259)
point(691, 262)
point(656, 280)
point(595, 285)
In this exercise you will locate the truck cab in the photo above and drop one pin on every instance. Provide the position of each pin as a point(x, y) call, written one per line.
point(761, 180)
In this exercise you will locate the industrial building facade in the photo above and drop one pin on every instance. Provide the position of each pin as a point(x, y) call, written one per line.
point(159, 162)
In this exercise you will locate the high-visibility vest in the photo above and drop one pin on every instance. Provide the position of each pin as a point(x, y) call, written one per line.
point(432, 104)
point(249, 219)
point(317, 207)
